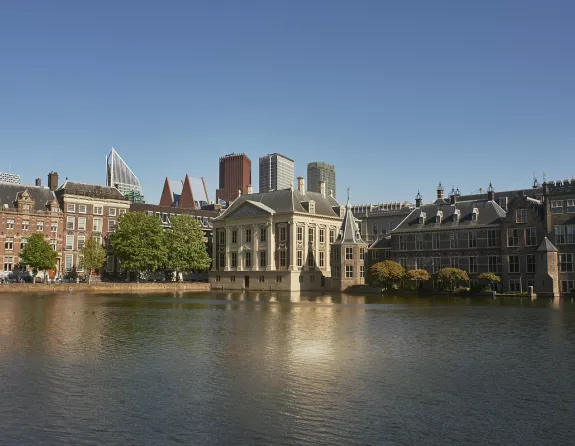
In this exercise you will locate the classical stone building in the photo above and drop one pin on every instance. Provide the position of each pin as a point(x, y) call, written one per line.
point(277, 240)
point(27, 210)
point(89, 210)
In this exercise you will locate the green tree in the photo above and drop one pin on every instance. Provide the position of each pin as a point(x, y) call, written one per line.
point(489, 278)
point(386, 272)
point(186, 249)
point(139, 243)
point(418, 275)
point(452, 276)
point(38, 254)
point(94, 256)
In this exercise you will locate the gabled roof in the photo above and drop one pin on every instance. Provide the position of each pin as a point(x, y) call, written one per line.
point(9, 192)
point(349, 232)
point(381, 243)
point(547, 246)
point(90, 190)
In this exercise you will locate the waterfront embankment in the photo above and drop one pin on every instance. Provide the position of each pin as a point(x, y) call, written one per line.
point(105, 287)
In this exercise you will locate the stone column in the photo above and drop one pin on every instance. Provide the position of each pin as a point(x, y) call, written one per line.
point(292, 245)
point(227, 241)
point(271, 247)
point(255, 244)
point(214, 249)
point(240, 254)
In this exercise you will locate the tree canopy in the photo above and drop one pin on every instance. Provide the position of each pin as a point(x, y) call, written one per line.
point(94, 256)
point(489, 277)
point(139, 242)
point(38, 254)
point(418, 275)
point(386, 272)
point(185, 246)
point(452, 276)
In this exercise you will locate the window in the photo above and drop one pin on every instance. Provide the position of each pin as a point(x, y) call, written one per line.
point(80, 263)
point(263, 259)
point(234, 236)
point(222, 260)
point(9, 243)
point(349, 271)
point(361, 271)
point(331, 236)
point(10, 223)
point(70, 223)
point(361, 253)
point(419, 241)
point(436, 263)
point(282, 234)
point(8, 263)
point(514, 285)
point(82, 208)
point(502, 202)
point(472, 238)
point(248, 256)
point(54, 226)
point(279, 279)
point(111, 225)
point(530, 237)
point(26, 207)
point(263, 235)
point(403, 262)
point(122, 211)
point(300, 259)
point(435, 241)
point(69, 242)
point(559, 235)
point(570, 205)
point(375, 228)
point(454, 262)
point(283, 258)
point(322, 235)
point(453, 237)
point(493, 264)
point(473, 264)
point(310, 260)
point(55, 209)
point(81, 241)
point(248, 235)
point(566, 263)
point(402, 243)
point(40, 226)
point(23, 242)
point(98, 210)
point(336, 271)
point(97, 226)
point(262, 279)
point(492, 238)
point(112, 212)
point(336, 254)
point(387, 254)
point(300, 234)
point(312, 207)
point(419, 263)
point(310, 232)
point(233, 279)
point(81, 223)
point(54, 244)
point(321, 259)
point(348, 253)
point(456, 216)
point(557, 207)
point(392, 225)
point(513, 264)
point(475, 215)
point(521, 215)
point(71, 208)
point(375, 255)
point(513, 237)
point(234, 257)
point(530, 263)
point(567, 286)
point(25, 225)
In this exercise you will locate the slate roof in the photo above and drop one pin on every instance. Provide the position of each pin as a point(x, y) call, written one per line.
point(547, 246)
point(287, 200)
point(349, 231)
point(40, 195)
point(90, 190)
point(489, 213)
point(382, 243)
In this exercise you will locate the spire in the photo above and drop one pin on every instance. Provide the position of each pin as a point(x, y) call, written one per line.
point(349, 231)
point(187, 198)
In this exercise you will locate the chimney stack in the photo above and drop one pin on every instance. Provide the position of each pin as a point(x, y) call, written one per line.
point(490, 193)
point(440, 191)
point(38, 182)
point(418, 200)
point(53, 181)
point(322, 188)
point(453, 198)
point(300, 185)
point(250, 189)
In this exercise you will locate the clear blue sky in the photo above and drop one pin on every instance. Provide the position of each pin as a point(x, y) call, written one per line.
point(398, 95)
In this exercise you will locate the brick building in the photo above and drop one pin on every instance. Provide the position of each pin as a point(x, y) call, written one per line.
point(235, 176)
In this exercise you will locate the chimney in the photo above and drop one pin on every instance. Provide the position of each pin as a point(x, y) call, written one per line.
point(322, 188)
point(418, 200)
point(53, 181)
point(38, 182)
point(453, 198)
point(490, 193)
point(440, 191)
point(300, 185)
point(250, 189)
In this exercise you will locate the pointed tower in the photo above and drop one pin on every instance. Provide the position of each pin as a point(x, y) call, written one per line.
point(167, 197)
point(348, 253)
point(547, 270)
point(187, 197)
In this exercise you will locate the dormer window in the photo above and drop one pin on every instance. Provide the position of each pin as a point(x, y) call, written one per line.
point(456, 216)
point(312, 207)
point(475, 215)
point(439, 217)
point(422, 218)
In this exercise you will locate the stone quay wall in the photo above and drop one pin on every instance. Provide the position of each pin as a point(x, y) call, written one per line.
point(105, 287)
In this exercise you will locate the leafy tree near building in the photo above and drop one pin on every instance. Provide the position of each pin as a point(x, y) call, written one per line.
point(139, 243)
point(452, 276)
point(386, 273)
point(185, 245)
point(38, 254)
point(489, 279)
point(94, 256)
point(418, 275)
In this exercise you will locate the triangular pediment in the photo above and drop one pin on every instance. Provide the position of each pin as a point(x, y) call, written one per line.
point(251, 209)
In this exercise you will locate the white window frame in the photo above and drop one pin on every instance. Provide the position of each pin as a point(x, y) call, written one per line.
point(111, 212)
point(348, 253)
point(82, 227)
point(517, 264)
point(82, 209)
point(39, 225)
point(70, 219)
point(70, 208)
point(98, 210)
point(111, 225)
point(521, 216)
point(349, 271)
point(81, 238)
point(69, 242)
point(556, 206)
point(68, 266)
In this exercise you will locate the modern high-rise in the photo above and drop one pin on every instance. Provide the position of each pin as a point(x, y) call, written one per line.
point(321, 172)
point(120, 176)
point(235, 176)
point(6, 177)
point(276, 172)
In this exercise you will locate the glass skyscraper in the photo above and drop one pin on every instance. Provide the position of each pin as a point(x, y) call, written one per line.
point(120, 176)
point(318, 172)
point(276, 172)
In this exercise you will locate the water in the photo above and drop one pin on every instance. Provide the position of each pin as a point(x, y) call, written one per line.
point(262, 369)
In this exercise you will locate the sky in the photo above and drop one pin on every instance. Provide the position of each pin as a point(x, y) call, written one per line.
point(398, 95)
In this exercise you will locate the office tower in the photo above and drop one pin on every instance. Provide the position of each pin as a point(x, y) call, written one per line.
point(235, 175)
point(318, 172)
point(6, 177)
point(120, 176)
point(276, 172)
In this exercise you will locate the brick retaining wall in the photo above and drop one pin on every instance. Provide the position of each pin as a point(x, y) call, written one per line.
point(104, 287)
